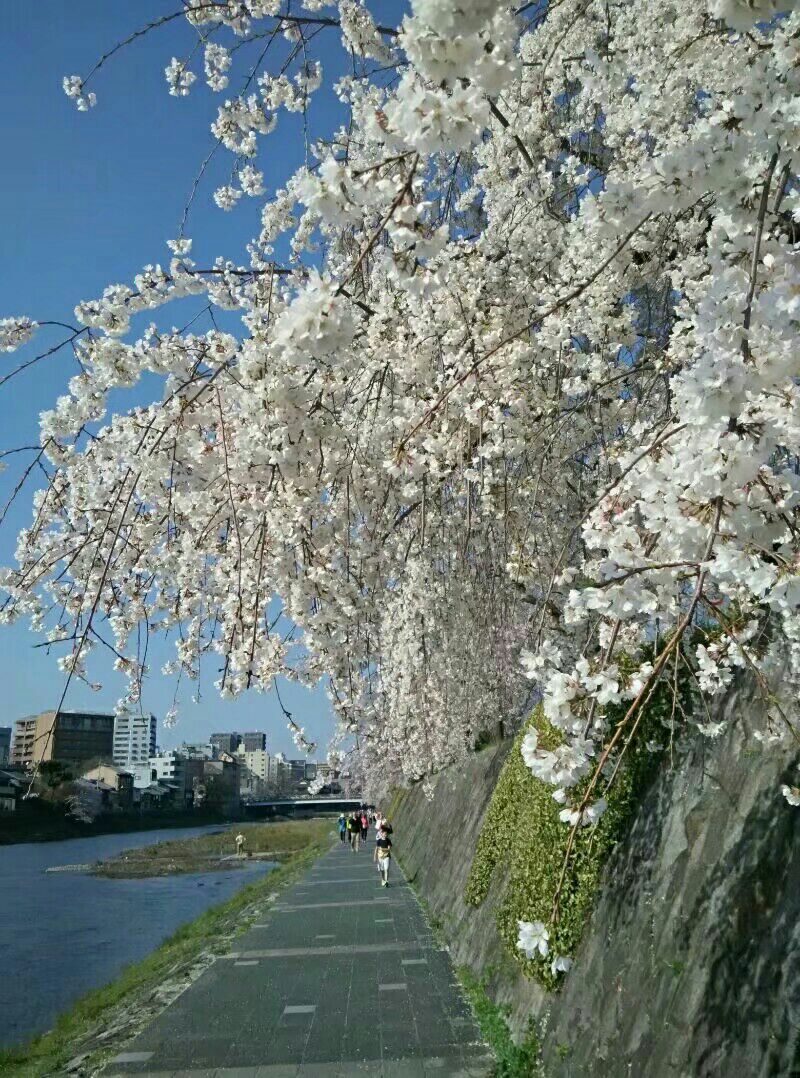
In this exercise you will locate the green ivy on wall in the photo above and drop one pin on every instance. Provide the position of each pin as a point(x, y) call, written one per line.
point(522, 830)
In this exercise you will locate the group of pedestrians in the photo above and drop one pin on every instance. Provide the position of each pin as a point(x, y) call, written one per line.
point(353, 830)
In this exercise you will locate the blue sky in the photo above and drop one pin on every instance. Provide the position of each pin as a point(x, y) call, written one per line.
point(87, 199)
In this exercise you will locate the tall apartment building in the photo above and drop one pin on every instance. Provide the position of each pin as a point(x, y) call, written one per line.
point(253, 770)
point(230, 742)
point(225, 742)
point(256, 762)
point(254, 742)
point(134, 740)
point(71, 737)
point(5, 744)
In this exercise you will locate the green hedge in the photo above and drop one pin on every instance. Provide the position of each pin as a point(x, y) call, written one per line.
point(522, 830)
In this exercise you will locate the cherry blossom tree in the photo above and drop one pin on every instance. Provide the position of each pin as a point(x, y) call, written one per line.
point(519, 413)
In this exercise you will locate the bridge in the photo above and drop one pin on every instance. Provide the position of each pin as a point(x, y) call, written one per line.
point(301, 806)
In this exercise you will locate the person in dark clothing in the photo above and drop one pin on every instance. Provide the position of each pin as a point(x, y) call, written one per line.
point(364, 826)
point(354, 831)
point(342, 828)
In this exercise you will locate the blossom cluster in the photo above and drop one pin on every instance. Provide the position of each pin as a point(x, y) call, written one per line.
point(14, 332)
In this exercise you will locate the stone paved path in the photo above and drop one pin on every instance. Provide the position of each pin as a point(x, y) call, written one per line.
point(343, 978)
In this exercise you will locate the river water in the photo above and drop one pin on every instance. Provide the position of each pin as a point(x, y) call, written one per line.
point(64, 933)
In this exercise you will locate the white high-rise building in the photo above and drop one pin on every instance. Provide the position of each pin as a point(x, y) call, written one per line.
point(134, 740)
point(254, 769)
point(257, 762)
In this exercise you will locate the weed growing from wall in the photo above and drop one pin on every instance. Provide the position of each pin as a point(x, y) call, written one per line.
point(512, 1060)
point(522, 830)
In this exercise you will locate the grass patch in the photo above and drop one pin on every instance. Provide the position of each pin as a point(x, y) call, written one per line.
point(204, 853)
point(522, 830)
point(512, 1060)
point(77, 1031)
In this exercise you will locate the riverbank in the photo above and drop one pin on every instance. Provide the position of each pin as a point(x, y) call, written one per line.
point(39, 821)
point(215, 852)
point(103, 1021)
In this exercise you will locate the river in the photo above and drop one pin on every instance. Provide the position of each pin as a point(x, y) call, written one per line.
point(64, 933)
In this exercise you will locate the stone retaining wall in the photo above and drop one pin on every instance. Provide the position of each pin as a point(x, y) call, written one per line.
point(690, 965)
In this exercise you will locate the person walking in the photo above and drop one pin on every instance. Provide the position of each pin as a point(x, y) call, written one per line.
point(342, 827)
point(356, 832)
point(383, 825)
point(364, 826)
point(353, 832)
point(382, 856)
point(240, 845)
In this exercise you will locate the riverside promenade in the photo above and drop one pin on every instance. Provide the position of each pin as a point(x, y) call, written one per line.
point(341, 978)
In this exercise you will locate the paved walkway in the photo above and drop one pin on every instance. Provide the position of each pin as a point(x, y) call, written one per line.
point(343, 978)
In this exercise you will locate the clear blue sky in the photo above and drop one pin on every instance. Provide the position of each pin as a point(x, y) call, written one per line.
point(87, 199)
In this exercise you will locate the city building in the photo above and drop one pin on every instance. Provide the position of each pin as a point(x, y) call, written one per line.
point(143, 776)
point(198, 751)
point(297, 771)
point(219, 788)
point(114, 780)
point(254, 772)
point(70, 737)
point(11, 790)
point(5, 744)
point(167, 765)
point(275, 768)
point(225, 742)
point(232, 741)
point(134, 739)
point(155, 797)
point(173, 770)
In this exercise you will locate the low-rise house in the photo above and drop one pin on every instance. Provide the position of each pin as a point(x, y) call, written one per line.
point(155, 797)
point(117, 780)
point(12, 788)
point(143, 776)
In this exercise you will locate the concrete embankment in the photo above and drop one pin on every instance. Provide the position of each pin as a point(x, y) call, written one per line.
point(690, 963)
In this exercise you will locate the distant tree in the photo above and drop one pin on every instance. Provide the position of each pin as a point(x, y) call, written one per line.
point(53, 773)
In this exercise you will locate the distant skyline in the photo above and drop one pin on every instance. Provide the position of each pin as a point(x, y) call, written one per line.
point(87, 200)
